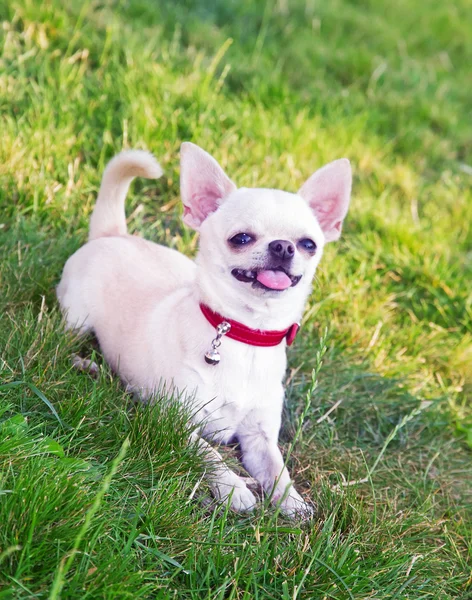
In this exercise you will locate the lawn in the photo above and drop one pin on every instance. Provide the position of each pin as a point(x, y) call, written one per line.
point(100, 498)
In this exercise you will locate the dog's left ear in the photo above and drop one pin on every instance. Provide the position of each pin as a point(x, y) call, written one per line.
point(328, 192)
point(203, 184)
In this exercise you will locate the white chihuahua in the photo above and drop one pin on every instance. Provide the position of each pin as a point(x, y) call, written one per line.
point(215, 329)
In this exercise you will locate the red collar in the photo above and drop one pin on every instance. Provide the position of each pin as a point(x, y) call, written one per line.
point(253, 337)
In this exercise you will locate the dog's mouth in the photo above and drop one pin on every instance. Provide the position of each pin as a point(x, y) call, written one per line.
point(275, 280)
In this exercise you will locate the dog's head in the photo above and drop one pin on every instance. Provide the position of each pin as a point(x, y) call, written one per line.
point(260, 247)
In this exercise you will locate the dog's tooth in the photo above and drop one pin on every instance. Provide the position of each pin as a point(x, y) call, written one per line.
point(249, 274)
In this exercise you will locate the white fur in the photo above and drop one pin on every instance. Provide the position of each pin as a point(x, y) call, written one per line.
point(109, 218)
point(142, 302)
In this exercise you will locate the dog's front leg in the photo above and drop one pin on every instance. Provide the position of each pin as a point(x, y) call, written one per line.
point(263, 460)
point(224, 483)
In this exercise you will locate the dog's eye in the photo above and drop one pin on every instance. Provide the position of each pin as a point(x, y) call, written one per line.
point(240, 239)
point(308, 245)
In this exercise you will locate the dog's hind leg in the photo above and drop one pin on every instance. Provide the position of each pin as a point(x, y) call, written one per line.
point(84, 364)
point(72, 300)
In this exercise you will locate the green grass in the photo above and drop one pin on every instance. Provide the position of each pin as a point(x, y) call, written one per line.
point(273, 89)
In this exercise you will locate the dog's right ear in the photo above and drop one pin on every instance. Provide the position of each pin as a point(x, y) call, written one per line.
point(203, 184)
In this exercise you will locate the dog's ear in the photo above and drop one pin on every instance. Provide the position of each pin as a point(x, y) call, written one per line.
point(328, 192)
point(203, 184)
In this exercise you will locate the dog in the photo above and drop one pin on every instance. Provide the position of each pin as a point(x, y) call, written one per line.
point(214, 329)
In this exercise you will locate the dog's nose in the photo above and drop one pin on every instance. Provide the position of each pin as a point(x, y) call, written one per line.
point(282, 249)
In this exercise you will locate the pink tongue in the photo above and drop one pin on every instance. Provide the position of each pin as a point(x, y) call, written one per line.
point(275, 280)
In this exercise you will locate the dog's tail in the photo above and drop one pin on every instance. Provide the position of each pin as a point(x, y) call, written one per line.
point(108, 217)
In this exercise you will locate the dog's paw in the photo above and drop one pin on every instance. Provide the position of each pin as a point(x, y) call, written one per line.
point(84, 364)
point(232, 488)
point(243, 500)
point(294, 506)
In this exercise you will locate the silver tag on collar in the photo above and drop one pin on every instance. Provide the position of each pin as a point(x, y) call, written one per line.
point(212, 357)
